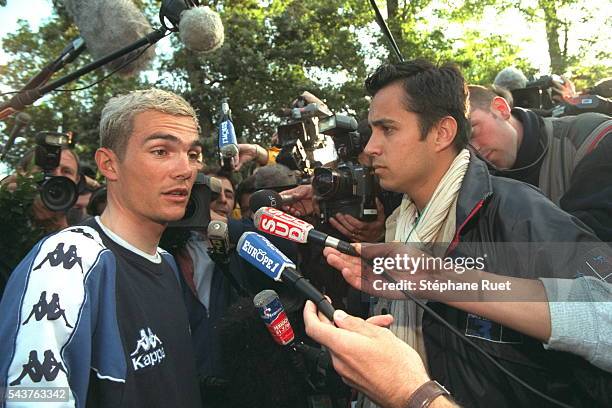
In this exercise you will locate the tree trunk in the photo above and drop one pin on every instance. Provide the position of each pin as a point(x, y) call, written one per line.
point(558, 63)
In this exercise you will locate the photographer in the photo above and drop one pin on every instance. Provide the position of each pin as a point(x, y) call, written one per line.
point(43, 217)
point(567, 158)
point(25, 216)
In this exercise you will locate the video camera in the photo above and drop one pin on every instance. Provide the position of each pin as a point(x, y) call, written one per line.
point(300, 136)
point(197, 214)
point(350, 188)
point(537, 95)
point(58, 193)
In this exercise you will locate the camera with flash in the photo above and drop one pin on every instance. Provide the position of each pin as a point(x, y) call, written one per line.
point(58, 193)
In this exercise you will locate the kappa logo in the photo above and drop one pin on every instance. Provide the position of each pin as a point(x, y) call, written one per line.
point(149, 351)
point(68, 259)
point(51, 309)
point(49, 368)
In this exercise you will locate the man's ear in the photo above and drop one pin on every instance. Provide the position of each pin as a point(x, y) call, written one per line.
point(107, 162)
point(500, 107)
point(444, 133)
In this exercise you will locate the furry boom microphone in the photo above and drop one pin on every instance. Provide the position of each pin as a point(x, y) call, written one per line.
point(108, 25)
point(201, 29)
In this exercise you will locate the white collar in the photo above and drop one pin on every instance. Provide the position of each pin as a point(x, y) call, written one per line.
point(153, 258)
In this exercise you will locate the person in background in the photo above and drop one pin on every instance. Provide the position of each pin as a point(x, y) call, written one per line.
point(567, 158)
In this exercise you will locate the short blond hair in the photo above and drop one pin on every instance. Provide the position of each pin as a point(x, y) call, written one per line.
point(117, 119)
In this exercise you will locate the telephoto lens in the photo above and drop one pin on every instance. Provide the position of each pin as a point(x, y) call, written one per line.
point(58, 193)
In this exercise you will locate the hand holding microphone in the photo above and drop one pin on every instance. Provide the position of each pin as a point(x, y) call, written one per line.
point(275, 318)
point(260, 253)
point(228, 146)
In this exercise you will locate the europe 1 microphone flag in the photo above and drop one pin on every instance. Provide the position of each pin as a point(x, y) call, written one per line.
point(260, 253)
point(281, 224)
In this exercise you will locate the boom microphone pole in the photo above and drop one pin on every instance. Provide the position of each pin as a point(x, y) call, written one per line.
point(29, 96)
point(385, 29)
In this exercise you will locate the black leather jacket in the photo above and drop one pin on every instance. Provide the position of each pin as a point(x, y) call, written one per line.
point(493, 210)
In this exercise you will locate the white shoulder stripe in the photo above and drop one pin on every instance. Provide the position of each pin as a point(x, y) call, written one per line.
point(107, 377)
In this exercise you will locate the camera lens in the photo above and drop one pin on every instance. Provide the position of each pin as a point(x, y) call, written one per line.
point(323, 182)
point(58, 193)
point(330, 183)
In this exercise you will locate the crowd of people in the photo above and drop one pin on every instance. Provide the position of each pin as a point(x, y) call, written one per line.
point(98, 309)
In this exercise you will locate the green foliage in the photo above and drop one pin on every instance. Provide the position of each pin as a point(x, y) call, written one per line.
point(273, 50)
point(79, 111)
point(18, 233)
point(481, 58)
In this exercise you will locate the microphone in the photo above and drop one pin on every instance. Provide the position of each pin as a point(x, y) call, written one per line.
point(219, 252)
point(201, 29)
point(273, 314)
point(228, 146)
point(269, 198)
point(308, 111)
point(281, 224)
point(215, 184)
point(22, 119)
point(218, 236)
point(107, 25)
point(260, 253)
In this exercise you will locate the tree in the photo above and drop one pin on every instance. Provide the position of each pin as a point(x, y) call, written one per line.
point(77, 111)
point(273, 50)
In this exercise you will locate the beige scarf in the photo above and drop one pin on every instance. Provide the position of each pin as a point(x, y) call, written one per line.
point(435, 225)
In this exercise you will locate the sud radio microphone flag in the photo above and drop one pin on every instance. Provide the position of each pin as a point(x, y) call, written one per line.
point(260, 253)
point(281, 224)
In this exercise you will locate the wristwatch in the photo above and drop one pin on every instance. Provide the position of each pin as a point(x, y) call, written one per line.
point(425, 394)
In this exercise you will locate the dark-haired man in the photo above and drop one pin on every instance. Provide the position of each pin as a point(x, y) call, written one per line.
point(418, 114)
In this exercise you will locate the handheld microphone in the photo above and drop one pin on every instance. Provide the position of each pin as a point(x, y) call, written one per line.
point(219, 252)
point(218, 236)
point(22, 119)
point(269, 198)
point(260, 253)
point(273, 314)
point(281, 224)
point(228, 146)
